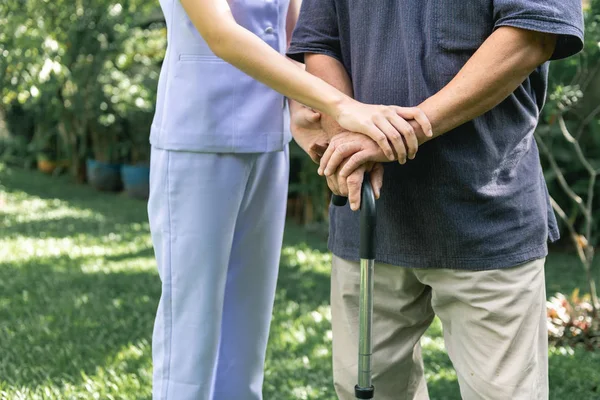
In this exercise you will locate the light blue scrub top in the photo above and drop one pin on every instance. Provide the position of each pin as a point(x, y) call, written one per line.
point(205, 104)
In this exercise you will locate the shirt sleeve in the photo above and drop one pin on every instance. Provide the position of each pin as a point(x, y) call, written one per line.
point(561, 17)
point(316, 31)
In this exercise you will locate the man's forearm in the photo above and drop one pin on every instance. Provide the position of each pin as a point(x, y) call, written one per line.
point(496, 70)
point(333, 72)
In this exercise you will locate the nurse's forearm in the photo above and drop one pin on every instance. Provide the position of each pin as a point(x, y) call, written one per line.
point(496, 70)
point(333, 72)
point(246, 51)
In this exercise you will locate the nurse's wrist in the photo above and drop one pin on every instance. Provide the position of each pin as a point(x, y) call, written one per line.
point(335, 106)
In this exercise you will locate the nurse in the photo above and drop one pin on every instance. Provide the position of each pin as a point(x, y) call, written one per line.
point(219, 175)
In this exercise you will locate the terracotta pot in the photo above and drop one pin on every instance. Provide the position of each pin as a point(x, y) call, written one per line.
point(46, 166)
point(49, 166)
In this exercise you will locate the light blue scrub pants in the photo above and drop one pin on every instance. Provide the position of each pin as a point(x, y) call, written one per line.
point(217, 226)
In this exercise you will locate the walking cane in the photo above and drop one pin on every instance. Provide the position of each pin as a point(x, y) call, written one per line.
point(364, 389)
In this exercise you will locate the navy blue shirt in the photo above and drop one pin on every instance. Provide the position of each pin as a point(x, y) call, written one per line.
point(475, 197)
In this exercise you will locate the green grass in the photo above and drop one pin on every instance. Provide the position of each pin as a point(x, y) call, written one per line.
point(78, 291)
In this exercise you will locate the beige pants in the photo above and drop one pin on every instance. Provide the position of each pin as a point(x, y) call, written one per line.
point(494, 326)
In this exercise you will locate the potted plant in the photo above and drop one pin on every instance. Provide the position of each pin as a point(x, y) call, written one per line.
point(103, 169)
point(48, 149)
point(135, 174)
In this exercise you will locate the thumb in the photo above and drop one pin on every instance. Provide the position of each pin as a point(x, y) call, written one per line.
point(313, 116)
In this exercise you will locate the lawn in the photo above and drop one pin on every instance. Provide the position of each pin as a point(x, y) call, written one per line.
point(78, 291)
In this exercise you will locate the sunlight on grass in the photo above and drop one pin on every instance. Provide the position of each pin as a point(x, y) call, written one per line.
point(127, 372)
point(79, 289)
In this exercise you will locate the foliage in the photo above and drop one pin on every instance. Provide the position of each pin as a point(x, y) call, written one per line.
point(79, 288)
point(309, 192)
point(570, 144)
point(573, 107)
point(570, 321)
point(83, 73)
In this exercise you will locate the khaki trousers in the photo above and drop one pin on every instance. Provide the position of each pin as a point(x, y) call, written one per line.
point(494, 325)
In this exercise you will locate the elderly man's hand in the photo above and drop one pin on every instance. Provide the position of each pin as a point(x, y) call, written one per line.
point(305, 125)
point(347, 151)
point(351, 186)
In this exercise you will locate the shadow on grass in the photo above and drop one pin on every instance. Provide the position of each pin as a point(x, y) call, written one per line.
point(57, 321)
point(58, 228)
point(82, 197)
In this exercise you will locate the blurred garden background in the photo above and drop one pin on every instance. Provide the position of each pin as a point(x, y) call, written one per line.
point(78, 285)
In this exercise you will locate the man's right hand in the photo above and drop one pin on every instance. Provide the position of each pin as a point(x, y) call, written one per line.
point(305, 125)
point(352, 185)
point(347, 151)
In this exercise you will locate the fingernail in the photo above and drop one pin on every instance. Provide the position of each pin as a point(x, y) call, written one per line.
point(430, 133)
point(327, 172)
point(320, 171)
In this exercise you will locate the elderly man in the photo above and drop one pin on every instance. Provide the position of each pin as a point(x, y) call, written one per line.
point(464, 226)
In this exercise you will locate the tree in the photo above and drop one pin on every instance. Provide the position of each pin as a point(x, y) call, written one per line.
point(570, 144)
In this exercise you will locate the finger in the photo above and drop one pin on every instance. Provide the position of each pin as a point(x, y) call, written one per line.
point(342, 152)
point(319, 146)
point(407, 131)
point(333, 184)
point(354, 182)
point(316, 151)
point(315, 157)
point(376, 176)
point(326, 156)
point(354, 162)
point(342, 183)
point(395, 136)
point(379, 136)
point(418, 115)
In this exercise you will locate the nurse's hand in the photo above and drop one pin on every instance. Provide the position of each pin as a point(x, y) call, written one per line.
point(351, 186)
point(385, 125)
point(307, 131)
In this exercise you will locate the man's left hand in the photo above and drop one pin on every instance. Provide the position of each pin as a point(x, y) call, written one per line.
point(305, 125)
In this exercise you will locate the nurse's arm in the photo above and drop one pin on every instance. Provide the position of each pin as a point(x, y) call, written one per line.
point(246, 51)
point(312, 131)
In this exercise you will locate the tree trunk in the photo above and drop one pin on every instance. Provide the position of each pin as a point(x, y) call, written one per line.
point(4, 134)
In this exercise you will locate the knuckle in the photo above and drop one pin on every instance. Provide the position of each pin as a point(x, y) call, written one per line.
point(353, 180)
point(355, 159)
point(343, 148)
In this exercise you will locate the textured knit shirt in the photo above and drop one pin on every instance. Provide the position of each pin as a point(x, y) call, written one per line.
point(473, 198)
